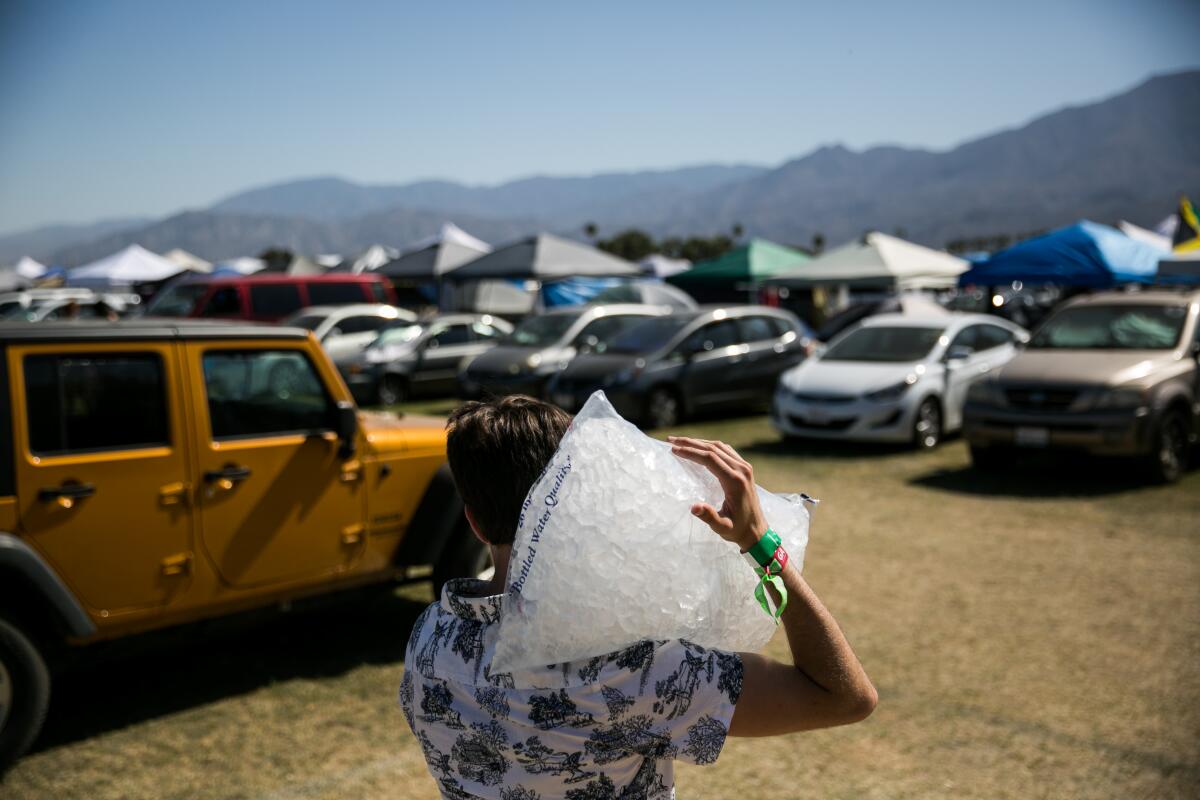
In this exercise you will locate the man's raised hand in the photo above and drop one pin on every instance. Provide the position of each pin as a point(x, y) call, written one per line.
point(740, 519)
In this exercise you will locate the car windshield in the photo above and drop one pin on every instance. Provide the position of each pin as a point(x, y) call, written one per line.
point(177, 301)
point(541, 331)
point(307, 321)
point(887, 344)
point(1115, 327)
point(399, 334)
point(647, 336)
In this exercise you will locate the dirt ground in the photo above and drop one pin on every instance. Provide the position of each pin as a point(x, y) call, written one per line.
point(1032, 635)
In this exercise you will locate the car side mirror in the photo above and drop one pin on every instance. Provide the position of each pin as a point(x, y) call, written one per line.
point(332, 332)
point(431, 344)
point(346, 427)
point(959, 353)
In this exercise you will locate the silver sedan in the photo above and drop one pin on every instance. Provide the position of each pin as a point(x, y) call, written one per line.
point(893, 378)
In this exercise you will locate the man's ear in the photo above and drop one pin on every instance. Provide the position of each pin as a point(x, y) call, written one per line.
point(474, 525)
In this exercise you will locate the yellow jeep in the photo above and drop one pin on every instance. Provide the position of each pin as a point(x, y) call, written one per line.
point(158, 472)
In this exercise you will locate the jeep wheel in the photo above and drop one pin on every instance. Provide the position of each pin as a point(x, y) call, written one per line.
point(24, 693)
point(1170, 446)
point(392, 390)
point(927, 428)
point(662, 408)
point(464, 557)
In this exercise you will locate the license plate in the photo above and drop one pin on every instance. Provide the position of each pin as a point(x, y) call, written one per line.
point(564, 401)
point(1033, 437)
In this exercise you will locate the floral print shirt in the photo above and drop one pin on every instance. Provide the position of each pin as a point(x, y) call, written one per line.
point(607, 727)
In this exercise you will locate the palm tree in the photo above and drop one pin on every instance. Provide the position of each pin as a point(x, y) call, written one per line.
point(818, 243)
point(738, 230)
point(590, 230)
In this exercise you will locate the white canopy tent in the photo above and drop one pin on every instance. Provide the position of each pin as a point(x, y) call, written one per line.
point(545, 257)
point(134, 264)
point(661, 266)
point(188, 261)
point(877, 261)
point(30, 268)
point(449, 233)
point(1152, 238)
point(372, 259)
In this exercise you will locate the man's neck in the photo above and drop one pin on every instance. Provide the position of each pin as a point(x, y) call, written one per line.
point(500, 554)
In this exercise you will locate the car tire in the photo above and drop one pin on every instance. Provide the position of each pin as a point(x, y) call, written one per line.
point(392, 390)
point(1170, 447)
point(24, 693)
point(989, 459)
point(663, 408)
point(927, 426)
point(464, 557)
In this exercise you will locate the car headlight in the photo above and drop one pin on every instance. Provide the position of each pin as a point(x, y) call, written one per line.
point(986, 393)
point(1122, 399)
point(893, 392)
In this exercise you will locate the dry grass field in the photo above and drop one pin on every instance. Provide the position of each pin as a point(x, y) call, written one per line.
point(1035, 635)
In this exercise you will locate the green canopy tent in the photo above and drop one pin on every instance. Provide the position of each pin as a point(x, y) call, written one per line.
point(735, 276)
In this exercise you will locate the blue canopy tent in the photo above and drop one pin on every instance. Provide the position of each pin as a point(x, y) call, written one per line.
point(1085, 254)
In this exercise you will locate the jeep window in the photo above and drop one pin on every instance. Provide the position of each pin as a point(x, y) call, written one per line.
point(1115, 327)
point(275, 299)
point(177, 301)
point(338, 293)
point(90, 403)
point(225, 302)
point(254, 393)
point(877, 343)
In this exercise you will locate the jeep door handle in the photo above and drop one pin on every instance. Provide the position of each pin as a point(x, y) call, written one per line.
point(66, 494)
point(227, 476)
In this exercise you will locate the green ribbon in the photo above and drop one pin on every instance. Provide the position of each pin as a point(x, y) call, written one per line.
point(771, 575)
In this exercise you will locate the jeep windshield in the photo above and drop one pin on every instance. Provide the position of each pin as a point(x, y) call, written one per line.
point(1115, 327)
point(541, 331)
point(895, 344)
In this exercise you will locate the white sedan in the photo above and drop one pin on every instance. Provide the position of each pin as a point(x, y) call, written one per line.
point(893, 378)
point(346, 330)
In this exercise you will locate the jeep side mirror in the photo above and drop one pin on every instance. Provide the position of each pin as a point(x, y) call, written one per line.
point(346, 426)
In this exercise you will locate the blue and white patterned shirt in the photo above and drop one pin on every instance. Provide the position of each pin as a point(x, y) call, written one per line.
point(607, 727)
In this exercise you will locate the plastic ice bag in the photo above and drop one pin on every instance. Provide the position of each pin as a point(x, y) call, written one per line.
point(608, 553)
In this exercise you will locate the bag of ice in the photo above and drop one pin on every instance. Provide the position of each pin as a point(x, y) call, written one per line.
point(608, 553)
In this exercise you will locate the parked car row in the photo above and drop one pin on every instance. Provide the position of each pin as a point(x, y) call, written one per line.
point(50, 305)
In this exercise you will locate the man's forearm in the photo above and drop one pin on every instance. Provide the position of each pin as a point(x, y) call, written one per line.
point(819, 648)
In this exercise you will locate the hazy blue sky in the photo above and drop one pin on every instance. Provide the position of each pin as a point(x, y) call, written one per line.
point(117, 108)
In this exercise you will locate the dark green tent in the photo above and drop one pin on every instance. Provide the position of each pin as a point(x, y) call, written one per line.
point(737, 274)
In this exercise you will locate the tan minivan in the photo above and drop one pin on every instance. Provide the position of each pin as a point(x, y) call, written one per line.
point(1112, 373)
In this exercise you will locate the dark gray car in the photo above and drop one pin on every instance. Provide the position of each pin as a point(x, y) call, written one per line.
point(419, 358)
point(666, 368)
point(542, 345)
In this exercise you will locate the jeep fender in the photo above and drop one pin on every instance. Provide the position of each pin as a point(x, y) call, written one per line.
point(18, 558)
point(435, 522)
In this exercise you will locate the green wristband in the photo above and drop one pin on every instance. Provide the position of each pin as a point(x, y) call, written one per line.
point(764, 550)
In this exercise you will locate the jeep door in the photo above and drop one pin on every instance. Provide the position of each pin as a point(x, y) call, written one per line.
point(102, 477)
point(278, 503)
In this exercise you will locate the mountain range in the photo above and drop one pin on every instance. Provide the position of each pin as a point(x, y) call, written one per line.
point(1126, 157)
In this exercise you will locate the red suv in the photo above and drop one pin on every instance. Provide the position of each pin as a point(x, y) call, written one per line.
point(266, 298)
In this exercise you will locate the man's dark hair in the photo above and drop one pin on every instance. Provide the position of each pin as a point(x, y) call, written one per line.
point(497, 450)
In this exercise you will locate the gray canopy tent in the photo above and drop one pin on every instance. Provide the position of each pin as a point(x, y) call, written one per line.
point(544, 257)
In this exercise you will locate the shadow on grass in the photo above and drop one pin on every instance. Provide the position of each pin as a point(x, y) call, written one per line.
point(162, 673)
point(1043, 475)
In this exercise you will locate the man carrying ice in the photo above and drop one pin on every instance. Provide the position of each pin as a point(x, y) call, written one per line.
point(609, 726)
